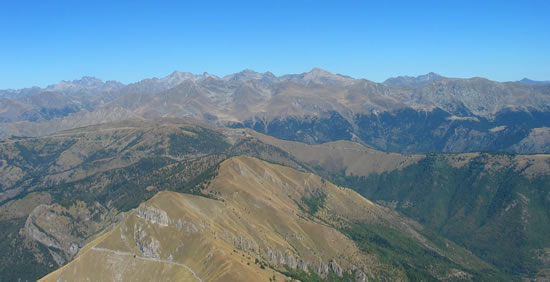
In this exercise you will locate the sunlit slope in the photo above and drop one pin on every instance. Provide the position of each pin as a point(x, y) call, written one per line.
point(171, 237)
point(348, 157)
point(494, 204)
point(261, 220)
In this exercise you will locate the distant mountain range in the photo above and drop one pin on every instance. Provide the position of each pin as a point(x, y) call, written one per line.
point(404, 114)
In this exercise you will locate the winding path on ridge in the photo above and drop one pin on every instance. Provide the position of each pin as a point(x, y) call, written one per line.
point(121, 253)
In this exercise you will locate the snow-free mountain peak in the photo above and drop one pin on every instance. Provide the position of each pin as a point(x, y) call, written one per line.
point(409, 81)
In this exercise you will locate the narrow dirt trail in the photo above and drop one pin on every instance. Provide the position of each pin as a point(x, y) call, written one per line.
point(121, 253)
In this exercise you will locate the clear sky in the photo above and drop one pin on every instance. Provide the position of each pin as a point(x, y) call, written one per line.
point(43, 42)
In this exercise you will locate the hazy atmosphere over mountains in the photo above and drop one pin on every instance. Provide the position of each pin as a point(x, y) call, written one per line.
point(428, 113)
point(295, 140)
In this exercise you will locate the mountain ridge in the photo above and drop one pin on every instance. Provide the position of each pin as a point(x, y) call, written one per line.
point(111, 168)
point(177, 77)
point(447, 113)
point(260, 211)
point(411, 81)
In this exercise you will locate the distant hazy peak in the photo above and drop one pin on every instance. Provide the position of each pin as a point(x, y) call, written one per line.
point(248, 71)
point(85, 81)
point(87, 84)
point(430, 76)
point(206, 75)
point(270, 74)
point(177, 77)
point(246, 74)
point(180, 74)
point(251, 75)
point(533, 82)
point(414, 81)
point(318, 76)
point(320, 71)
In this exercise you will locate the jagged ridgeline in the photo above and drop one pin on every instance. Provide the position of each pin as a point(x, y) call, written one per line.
point(428, 113)
point(264, 222)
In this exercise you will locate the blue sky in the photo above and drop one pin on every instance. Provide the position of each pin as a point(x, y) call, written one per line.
point(43, 42)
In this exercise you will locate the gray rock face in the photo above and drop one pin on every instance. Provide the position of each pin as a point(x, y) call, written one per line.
point(35, 233)
point(320, 267)
point(291, 261)
point(246, 244)
point(147, 245)
point(57, 257)
point(186, 226)
point(301, 264)
point(360, 276)
point(335, 267)
point(271, 256)
point(63, 231)
point(153, 215)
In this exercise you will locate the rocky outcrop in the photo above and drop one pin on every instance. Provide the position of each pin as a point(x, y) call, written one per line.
point(291, 261)
point(147, 245)
point(33, 232)
point(64, 230)
point(153, 215)
point(320, 267)
point(360, 276)
point(186, 226)
point(246, 244)
point(335, 267)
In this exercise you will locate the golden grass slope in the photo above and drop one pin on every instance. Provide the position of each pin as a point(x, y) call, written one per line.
point(255, 217)
point(348, 156)
point(142, 248)
point(356, 159)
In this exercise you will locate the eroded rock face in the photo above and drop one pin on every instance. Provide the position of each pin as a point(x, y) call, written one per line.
point(64, 230)
point(153, 215)
point(360, 276)
point(335, 267)
point(245, 244)
point(36, 233)
point(291, 261)
point(301, 264)
point(320, 267)
point(147, 245)
point(186, 226)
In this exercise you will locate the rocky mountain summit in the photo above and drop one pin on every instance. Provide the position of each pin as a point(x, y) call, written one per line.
point(411, 81)
point(77, 87)
point(533, 82)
